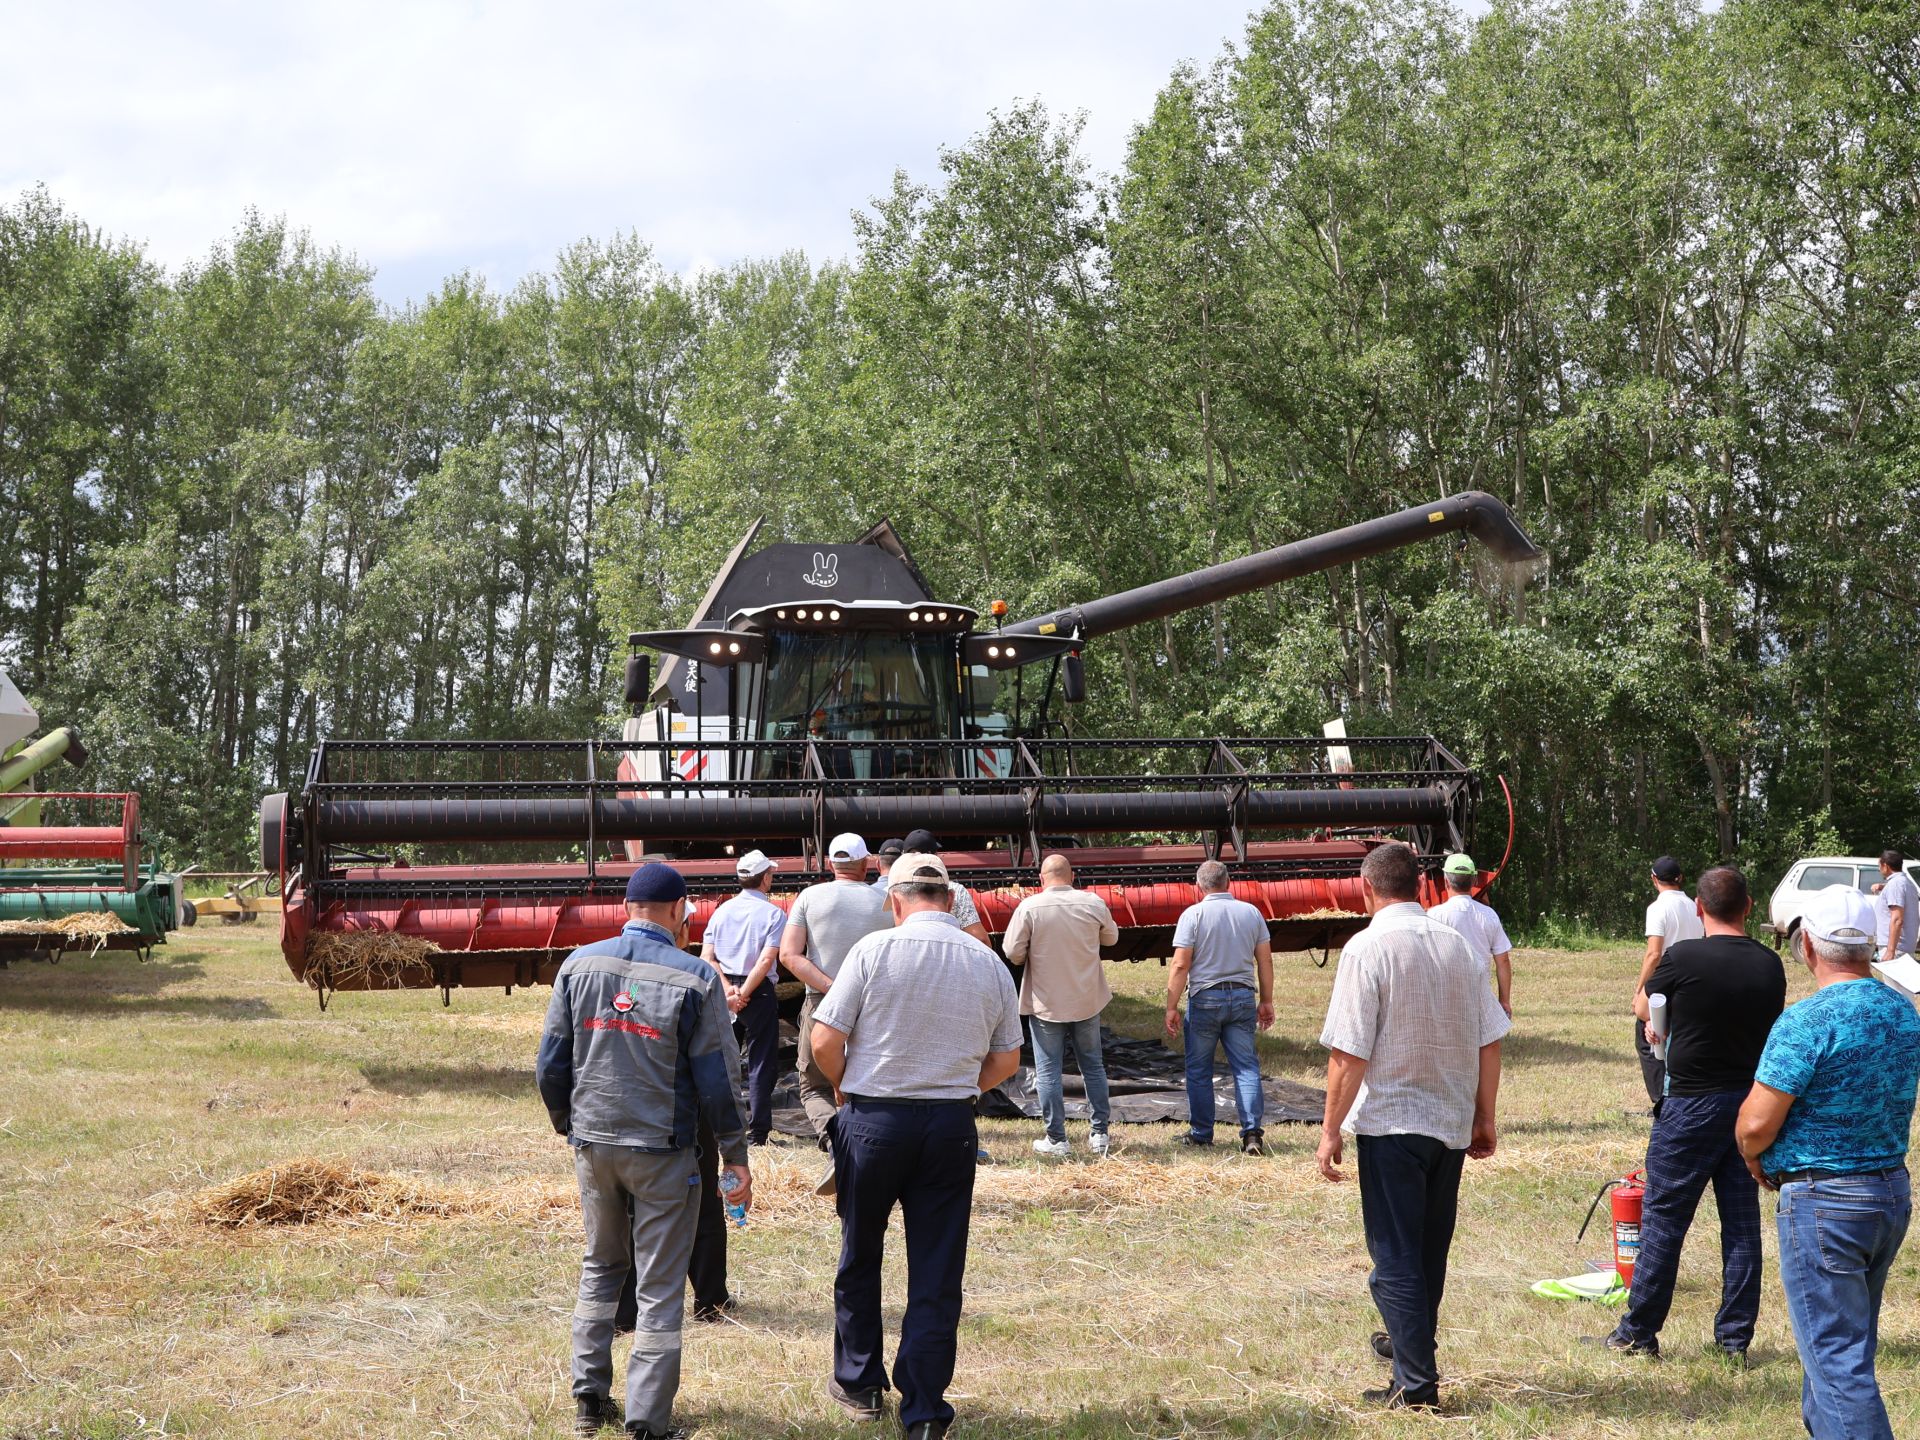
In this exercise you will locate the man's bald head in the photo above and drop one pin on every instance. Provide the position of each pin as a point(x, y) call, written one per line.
point(1056, 870)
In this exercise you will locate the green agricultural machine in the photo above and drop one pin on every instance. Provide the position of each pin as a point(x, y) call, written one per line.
point(72, 875)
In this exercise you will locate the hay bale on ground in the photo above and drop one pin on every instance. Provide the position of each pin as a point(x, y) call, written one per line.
point(367, 960)
point(306, 1190)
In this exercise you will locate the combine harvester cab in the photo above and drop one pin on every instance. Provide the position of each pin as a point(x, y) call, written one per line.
point(72, 876)
point(822, 688)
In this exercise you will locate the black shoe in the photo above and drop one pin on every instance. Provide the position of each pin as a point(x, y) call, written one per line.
point(1187, 1137)
point(1382, 1344)
point(593, 1413)
point(1734, 1355)
point(1253, 1143)
point(714, 1314)
point(861, 1404)
point(1645, 1349)
point(672, 1432)
point(1394, 1398)
point(926, 1430)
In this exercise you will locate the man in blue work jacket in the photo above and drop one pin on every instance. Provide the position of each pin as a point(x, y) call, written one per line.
point(638, 1047)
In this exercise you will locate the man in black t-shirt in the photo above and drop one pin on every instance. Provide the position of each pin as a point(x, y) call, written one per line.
point(1723, 994)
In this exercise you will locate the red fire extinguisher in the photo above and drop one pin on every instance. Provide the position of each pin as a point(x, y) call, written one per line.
point(1628, 1195)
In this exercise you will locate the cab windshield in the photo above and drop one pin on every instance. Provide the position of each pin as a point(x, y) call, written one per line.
point(895, 692)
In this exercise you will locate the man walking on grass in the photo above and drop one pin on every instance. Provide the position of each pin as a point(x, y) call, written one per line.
point(1056, 934)
point(921, 1019)
point(823, 924)
point(1826, 1125)
point(1671, 918)
point(1414, 1034)
point(638, 1044)
point(1221, 950)
point(1723, 994)
point(1477, 923)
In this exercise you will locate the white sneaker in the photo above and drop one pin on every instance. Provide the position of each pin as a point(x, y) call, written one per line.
point(1098, 1143)
point(1054, 1149)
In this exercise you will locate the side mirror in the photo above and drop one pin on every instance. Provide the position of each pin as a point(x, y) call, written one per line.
point(1073, 678)
point(639, 682)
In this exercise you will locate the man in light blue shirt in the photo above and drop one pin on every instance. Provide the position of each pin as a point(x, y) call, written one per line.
point(1221, 948)
point(742, 942)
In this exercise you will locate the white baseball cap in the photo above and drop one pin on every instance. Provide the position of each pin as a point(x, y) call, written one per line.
point(911, 869)
point(1840, 915)
point(847, 846)
point(754, 862)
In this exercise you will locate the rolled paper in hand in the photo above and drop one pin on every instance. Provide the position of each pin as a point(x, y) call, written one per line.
point(1657, 1025)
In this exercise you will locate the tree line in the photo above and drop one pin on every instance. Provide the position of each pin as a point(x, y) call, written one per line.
point(1650, 275)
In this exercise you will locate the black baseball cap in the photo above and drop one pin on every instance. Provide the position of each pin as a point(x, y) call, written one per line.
point(1667, 870)
point(920, 842)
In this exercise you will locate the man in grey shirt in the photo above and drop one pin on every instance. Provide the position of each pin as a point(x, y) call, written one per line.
point(921, 1019)
point(1220, 948)
point(823, 924)
point(1896, 904)
point(1414, 1034)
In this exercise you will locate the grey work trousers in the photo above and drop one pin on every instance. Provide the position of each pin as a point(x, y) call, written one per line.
point(816, 1091)
point(656, 1244)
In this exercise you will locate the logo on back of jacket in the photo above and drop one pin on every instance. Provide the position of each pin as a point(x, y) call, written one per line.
point(622, 1002)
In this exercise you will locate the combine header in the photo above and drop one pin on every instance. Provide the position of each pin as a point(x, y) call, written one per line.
point(820, 689)
point(98, 893)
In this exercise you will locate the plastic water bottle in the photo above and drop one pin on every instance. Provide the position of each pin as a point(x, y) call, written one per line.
point(730, 1182)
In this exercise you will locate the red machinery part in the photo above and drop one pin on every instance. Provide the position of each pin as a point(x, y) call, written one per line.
point(521, 941)
point(20, 843)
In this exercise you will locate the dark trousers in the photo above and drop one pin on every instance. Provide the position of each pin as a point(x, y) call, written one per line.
point(1692, 1145)
point(1409, 1194)
point(708, 1267)
point(1653, 1070)
point(922, 1158)
point(757, 1028)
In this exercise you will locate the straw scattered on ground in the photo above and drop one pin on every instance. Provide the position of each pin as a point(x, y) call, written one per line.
point(365, 959)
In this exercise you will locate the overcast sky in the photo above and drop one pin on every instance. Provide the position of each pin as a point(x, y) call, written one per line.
point(431, 137)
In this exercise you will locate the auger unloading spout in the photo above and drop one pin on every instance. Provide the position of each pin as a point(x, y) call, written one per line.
point(1482, 516)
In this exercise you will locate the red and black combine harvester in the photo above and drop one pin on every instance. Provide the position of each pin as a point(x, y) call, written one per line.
point(821, 688)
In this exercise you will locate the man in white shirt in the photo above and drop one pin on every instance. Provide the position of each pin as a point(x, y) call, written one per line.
point(1671, 918)
point(1413, 1035)
point(1478, 924)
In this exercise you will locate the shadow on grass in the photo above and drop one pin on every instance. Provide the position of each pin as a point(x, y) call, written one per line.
point(1524, 1049)
point(426, 1078)
point(111, 984)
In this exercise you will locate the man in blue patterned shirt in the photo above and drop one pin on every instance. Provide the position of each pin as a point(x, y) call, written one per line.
point(1826, 1125)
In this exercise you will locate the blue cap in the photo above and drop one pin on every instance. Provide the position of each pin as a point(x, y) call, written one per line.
point(655, 884)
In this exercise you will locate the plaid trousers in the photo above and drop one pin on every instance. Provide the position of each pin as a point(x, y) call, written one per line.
point(1692, 1146)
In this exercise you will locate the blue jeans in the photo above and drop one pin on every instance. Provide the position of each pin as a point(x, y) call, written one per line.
point(1690, 1148)
point(1050, 1053)
point(1224, 1017)
point(1409, 1199)
point(1837, 1239)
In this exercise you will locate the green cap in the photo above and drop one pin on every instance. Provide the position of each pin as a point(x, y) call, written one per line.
point(1459, 865)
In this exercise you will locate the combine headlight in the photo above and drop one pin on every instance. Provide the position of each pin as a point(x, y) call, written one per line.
point(914, 616)
point(943, 615)
point(833, 615)
point(733, 647)
point(818, 615)
point(714, 648)
point(779, 614)
point(993, 652)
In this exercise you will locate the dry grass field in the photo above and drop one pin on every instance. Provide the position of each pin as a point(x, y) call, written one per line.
point(1156, 1295)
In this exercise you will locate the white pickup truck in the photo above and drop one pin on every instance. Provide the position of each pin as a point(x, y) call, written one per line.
point(1817, 872)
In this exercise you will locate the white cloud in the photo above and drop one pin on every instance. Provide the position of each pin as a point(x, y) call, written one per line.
point(431, 137)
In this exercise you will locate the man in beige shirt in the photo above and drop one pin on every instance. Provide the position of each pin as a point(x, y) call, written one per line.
point(1057, 934)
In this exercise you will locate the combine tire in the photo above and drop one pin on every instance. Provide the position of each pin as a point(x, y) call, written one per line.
point(273, 822)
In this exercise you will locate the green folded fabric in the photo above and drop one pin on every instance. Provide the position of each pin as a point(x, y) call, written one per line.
point(1601, 1285)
